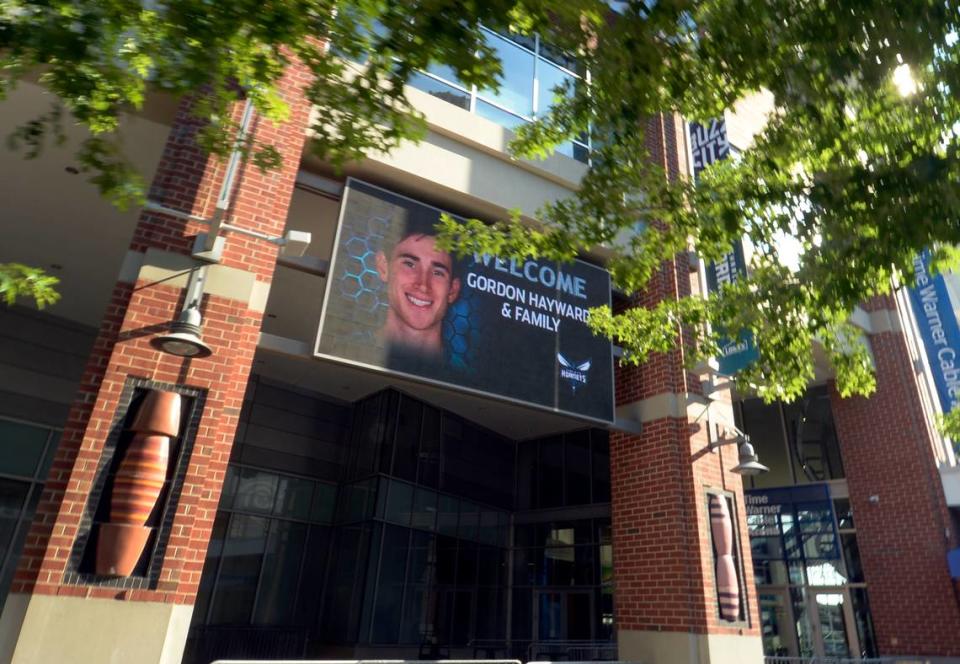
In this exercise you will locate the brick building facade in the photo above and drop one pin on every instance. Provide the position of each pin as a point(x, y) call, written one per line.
point(242, 564)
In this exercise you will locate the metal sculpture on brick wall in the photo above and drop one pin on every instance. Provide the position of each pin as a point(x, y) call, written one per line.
point(728, 586)
point(138, 484)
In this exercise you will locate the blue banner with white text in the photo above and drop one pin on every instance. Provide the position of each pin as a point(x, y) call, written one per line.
point(937, 323)
point(709, 144)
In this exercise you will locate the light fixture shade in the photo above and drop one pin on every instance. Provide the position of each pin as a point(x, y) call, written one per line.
point(749, 463)
point(184, 340)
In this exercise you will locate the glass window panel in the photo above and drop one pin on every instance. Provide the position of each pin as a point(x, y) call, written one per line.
point(578, 467)
point(21, 446)
point(606, 555)
point(581, 153)
point(770, 572)
point(795, 573)
point(313, 574)
point(489, 532)
point(324, 502)
point(503, 539)
point(515, 92)
point(242, 558)
point(549, 78)
point(527, 475)
point(399, 503)
point(814, 447)
point(525, 535)
point(851, 556)
point(51, 452)
point(393, 563)
point(763, 424)
point(446, 560)
point(444, 616)
point(567, 566)
point(605, 631)
point(551, 472)
point(425, 509)
point(832, 623)
point(462, 617)
point(256, 491)
point(469, 520)
point(559, 57)
point(294, 497)
point(357, 501)
point(431, 449)
point(825, 573)
point(281, 573)
point(422, 558)
point(776, 630)
point(214, 550)
point(525, 566)
point(448, 516)
point(766, 548)
point(802, 619)
point(12, 496)
point(467, 564)
point(522, 613)
point(20, 535)
point(229, 487)
point(600, 443)
point(408, 439)
point(492, 565)
point(417, 624)
point(446, 73)
point(861, 614)
point(490, 614)
point(501, 117)
point(844, 513)
point(440, 90)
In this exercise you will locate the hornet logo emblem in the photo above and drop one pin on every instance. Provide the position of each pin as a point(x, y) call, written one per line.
point(574, 375)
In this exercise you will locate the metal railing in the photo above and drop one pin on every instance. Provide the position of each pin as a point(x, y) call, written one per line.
point(571, 651)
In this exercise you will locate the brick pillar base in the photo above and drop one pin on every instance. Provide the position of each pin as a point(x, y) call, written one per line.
point(57, 610)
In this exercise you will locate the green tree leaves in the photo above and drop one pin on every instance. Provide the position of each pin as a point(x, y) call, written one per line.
point(860, 175)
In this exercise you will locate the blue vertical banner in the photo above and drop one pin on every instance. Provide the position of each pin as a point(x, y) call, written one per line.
point(709, 144)
point(937, 323)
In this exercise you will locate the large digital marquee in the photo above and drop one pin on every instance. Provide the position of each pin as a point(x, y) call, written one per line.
point(512, 329)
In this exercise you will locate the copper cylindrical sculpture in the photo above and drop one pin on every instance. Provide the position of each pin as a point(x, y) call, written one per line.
point(728, 586)
point(139, 480)
point(138, 484)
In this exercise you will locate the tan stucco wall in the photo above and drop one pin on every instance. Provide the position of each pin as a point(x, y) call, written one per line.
point(75, 630)
point(686, 648)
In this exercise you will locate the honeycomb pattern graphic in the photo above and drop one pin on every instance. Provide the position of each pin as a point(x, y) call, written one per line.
point(461, 331)
point(359, 281)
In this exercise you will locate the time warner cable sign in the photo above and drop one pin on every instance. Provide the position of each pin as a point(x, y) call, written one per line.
point(934, 311)
point(512, 329)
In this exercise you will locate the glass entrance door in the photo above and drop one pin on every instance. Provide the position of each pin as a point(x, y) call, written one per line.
point(563, 615)
point(832, 617)
point(776, 623)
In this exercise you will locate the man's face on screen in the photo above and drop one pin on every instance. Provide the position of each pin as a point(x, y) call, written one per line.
point(420, 282)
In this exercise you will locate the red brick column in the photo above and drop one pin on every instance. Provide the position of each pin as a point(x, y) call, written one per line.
point(902, 531)
point(666, 602)
point(187, 180)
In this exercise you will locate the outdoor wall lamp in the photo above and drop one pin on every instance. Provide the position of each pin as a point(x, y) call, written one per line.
point(183, 339)
point(749, 463)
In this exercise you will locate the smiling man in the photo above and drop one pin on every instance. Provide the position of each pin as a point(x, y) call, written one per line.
point(421, 285)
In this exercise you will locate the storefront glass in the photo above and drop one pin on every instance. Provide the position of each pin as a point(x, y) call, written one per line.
point(435, 533)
